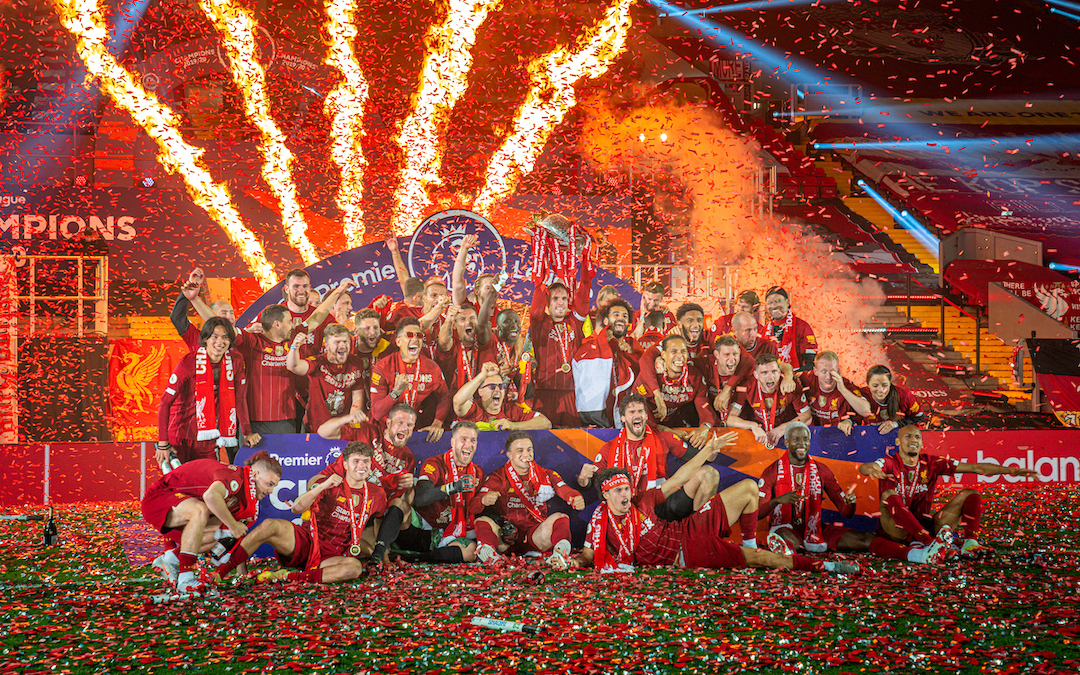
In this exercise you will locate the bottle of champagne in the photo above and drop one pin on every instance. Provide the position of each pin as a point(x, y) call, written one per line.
point(50, 529)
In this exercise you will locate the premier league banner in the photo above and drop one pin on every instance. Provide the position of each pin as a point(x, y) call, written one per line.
point(565, 451)
point(430, 252)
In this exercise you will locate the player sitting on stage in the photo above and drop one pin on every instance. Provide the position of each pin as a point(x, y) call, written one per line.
point(483, 400)
point(512, 507)
point(907, 481)
point(446, 484)
point(328, 547)
point(189, 504)
point(664, 529)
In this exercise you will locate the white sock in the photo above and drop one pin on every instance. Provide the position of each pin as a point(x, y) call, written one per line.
point(562, 547)
point(185, 577)
point(829, 567)
point(970, 543)
point(170, 557)
point(916, 555)
point(749, 543)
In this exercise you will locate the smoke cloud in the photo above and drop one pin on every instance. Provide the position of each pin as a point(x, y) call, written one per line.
point(716, 167)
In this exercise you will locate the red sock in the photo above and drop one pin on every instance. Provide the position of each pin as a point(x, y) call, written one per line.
point(560, 531)
point(314, 576)
point(485, 534)
point(804, 564)
point(971, 516)
point(906, 520)
point(187, 561)
point(887, 548)
point(748, 525)
point(239, 557)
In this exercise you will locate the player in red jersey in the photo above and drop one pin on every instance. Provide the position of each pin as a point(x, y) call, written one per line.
point(465, 343)
point(680, 396)
point(335, 380)
point(483, 400)
point(747, 302)
point(511, 507)
point(412, 307)
point(763, 408)
point(660, 531)
point(794, 338)
point(556, 330)
point(297, 294)
point(735, 369)
point(907, 481)
point(407, 376)
point(605, 367)
point(204, 405)
point(833, 399)
point(699, 346)
point(393, 465)
point(745, 329)
point(653, 332)
point(191, 502)
point(652, 300)
point(189, 292)
point(510, 348)
point(369, 345)
point(791, 491)
point(891, 406)
point(272, 398)
point(643, 451)
point(328, 548)
point(446, 484)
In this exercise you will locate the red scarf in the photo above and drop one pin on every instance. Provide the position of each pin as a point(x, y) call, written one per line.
point(250, 508)
point(549, 255)
point(628, 533)
point(357, 521)
point(786, 345)
point(215, 419)
point(508, 359)
point(529, 498)
point(461, 521)
point(649, 452)
point(783, 514)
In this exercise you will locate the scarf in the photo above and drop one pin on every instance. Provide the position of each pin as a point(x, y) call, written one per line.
point(784, 514)
point(628, 533)
point(550, 256)
point(250, 508)
point(461, 521)
point(786, 344)
point(644, 465)
point(539, 491)
point(210, 414)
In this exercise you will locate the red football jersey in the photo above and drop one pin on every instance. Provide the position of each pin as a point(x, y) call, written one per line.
point(334, 518)
point(827, 408)
point(555, 342)
point(331, 388)
point(803, 341)
point(515, 412)
point(682, 396)
point(660, 540)
point(829, 488)
point(656, 464)
point(388, 463)
point(427, 388)
point(461, 363)
point(272, 393)
point(511, 504)
point(434, 469)
point(751, 404)
point(879, 412)
point(916, 485)
point(194, 478)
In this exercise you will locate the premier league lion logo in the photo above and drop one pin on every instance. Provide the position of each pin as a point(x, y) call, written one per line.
point(435, 244)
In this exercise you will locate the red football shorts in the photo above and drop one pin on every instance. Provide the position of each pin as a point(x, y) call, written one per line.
point(703, 541)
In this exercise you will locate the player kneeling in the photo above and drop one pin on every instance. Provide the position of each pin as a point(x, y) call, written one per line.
point(191, 502)
point(328, 546)
point(665, 531)
point(512, 507)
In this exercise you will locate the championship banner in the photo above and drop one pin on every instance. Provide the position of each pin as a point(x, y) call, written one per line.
point(139, 370)
point(1056, 364)
point(565, 451)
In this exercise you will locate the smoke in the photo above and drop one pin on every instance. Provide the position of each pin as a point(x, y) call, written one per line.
point(715, 167)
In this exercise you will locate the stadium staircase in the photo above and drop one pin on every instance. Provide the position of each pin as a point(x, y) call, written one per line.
point(874, 213)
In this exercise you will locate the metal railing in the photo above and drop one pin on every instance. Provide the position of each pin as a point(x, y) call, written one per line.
point(685, 282)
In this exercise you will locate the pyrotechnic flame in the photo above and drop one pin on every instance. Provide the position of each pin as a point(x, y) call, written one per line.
point(551, 96)
point(443, 80)
point(345, 108)
point(85, 20)
point(237, 28)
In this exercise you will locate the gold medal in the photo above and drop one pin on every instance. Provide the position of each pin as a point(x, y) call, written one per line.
point(565, 368)
point(797, 521)
point(354, 550)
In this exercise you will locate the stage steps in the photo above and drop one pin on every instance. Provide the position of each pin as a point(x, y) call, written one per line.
point(995, 356)
point(872, 211)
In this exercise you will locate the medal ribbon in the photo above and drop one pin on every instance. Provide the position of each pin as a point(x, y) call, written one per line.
point(536, 480)
point(563, 339)
point(357, 530)
point(461, 521)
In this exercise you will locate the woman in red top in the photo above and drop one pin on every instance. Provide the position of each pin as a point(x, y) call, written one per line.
point(891, 406)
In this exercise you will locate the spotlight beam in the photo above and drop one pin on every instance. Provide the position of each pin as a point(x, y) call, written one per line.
point(904, 220)
point(85, 20)
point(722, 37)
point(443, 80)
point(550, 97)
point(1010, 144)
point(237, 28)
point(759, 4)
point(345, 108)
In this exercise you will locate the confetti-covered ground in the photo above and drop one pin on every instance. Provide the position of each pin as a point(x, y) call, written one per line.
point(79, 608)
